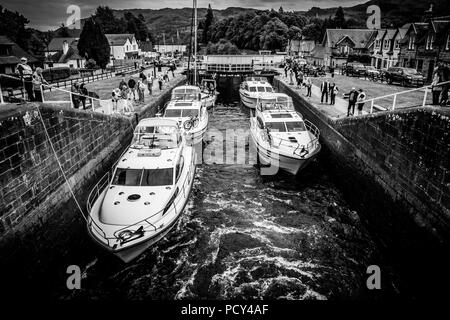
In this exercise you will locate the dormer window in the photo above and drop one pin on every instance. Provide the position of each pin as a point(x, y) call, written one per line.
point(386, 44)
point(377, 44)
point(397, 44)
point(430, 41)
point(411, 44)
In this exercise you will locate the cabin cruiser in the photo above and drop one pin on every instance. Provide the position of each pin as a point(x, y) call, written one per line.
point(209, 92)
point(282, 137)
point(190, 93)
point(191, 115)
point(252, 88)
point(136, 205)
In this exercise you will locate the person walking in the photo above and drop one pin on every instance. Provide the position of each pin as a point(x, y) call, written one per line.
point(286, 67)
point(299, 79)
point(334, 90)
point(435, 89)
point(75, 89)
point(291, 74)
point(352, 98)
point(324, 89)
point(37, 82)
point(160, 82)
point(132, 86)
point(150, 85)
point(26, 75)
point(84, 93)
point(308, 86)
point(361, 97)
point(141, 87)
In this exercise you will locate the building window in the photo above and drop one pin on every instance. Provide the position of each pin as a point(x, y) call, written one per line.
point(430, 40)
point(377, 44)
point(397, 44)
point(386, 45)
point(411, 44)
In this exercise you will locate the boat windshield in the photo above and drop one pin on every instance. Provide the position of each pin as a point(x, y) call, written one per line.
point(291, 126)
point(274, 104)
point(143, 177)
point(186, 96)
point(181, 113)
point(162, 137)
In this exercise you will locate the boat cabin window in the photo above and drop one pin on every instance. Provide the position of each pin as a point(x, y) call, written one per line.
point(290, 126)
point(269, 89)
point(181, 113)
point(163, 137)
point(143, 177)
point(261, 89)
point(252, 89)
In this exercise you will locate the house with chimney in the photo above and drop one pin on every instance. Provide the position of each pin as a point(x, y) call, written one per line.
point(10, 54)
point(300, 48)
point(343, 45)
point(425, 44)
point(63, 52)
point(386, 47)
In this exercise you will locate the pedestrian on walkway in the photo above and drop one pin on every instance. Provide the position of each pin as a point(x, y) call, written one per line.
point(160, 82)
point(132, 86)
point(84, 93)
point(123, 82)
point(308, 86)
point(361, 97)
point(299, 79)
point(291, 74)
point(352, 98)
point(142, 75)
point(324, 89)
point(115, 97)
point(286, 67)
point(150, 85)
point(166, 76)
point(26, 75)
point(435, 89)
point(75, 89)
point(334, 90)
point(445, 77)
point(37, 81)
point(140, 88)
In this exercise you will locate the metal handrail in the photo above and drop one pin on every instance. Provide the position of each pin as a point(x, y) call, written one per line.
point(394, 95)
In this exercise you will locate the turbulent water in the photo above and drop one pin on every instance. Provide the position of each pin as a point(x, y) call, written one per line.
point(245, 236)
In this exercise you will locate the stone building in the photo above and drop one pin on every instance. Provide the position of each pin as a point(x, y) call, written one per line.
point(386, 47)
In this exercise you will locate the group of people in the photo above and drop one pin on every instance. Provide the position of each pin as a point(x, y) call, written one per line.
point(293, 68)
point(441, 74)
point(355, 97)
point(79, 94)
point(32, 80)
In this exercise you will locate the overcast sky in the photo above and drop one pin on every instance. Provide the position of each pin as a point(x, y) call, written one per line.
point(48, 14)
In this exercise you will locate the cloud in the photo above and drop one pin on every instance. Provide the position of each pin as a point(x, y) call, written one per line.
point(51, 13)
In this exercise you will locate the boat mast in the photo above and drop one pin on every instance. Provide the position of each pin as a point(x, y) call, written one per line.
point(195, 42)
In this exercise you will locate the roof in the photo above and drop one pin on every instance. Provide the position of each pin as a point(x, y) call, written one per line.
point(16, 53)
point(57, 43)
point(361, 37)
point(5, 40)
point(390, 34)
point(318, 52)
point(72, 54)
point(119, 39)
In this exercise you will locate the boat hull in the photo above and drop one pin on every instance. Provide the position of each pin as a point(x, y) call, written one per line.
point(290, 164)
point(248, 101)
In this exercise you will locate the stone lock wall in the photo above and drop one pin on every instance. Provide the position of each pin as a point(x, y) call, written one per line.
point(31, 181)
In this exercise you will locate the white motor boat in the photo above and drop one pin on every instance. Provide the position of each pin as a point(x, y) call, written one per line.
point(190, 113)
point(209, 92)
point(139, 202)
point(252, 88)
point(190, 93)
point(283, 139)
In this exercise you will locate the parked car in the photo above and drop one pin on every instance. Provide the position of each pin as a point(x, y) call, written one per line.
point(372, 72)
point(404, 76)
point(355, 69)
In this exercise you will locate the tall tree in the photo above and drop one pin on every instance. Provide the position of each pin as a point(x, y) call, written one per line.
point(207, 24)
point(339, 18)
point(13, 25)
point(93, 43)
point(104, 16)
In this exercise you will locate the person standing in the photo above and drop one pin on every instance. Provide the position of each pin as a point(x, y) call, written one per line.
point(352, 97)
point(324, 89)
point(141, 87)
point(26, 75)
point(291, 74)
point(299, 78)
point(37, 81)
point(445, 77)
point(132, 86)
point(160, 82)
point(435, 89)
point(361, 97)
point(75, 89)
point(84, 94)
point(286, 70)
point(123, 82)
point(308, 86)
point(150, 85)
point(334, 90)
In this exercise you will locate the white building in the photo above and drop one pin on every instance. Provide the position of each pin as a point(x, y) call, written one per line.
point(123, 46)
point(170, 48)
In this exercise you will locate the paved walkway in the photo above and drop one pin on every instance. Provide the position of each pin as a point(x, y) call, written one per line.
point(338, 110)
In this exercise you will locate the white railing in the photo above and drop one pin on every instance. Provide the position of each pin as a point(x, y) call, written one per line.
point(395, 99)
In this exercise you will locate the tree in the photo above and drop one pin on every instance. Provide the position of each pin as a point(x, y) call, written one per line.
point(63, 31)
point(339, 18)
point(222, 47)
point(93, 44)
point(137, 26)
point(294, 33)
point(13, 25)
point(207, 24)
point(90, 64)
point(274, 35)
point(104, 16)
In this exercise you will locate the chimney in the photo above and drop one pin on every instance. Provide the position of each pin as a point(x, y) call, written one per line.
point(65, 47)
